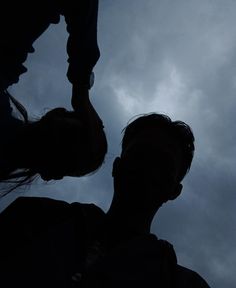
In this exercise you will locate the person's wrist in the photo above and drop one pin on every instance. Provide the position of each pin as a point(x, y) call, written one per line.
point(85, 82)
point(80, 95)
point(80, 91)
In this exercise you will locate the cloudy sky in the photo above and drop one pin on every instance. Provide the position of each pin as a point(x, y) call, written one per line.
point(174, 57)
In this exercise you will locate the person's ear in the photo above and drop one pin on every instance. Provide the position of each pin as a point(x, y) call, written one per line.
point(116, 166)
point(176, 191)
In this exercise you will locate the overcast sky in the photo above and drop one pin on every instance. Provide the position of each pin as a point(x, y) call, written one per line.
point(174, 57)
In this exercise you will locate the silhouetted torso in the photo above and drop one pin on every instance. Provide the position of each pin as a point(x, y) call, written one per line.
point(44, 242)
point(50, 243)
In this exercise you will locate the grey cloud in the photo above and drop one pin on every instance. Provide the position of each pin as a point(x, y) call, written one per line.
point(176, 57)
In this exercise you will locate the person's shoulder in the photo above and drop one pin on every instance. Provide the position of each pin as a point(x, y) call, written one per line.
point(89, 210)
point(27, 217)
point(35, 213)
point(29, 201)
point(41, 211)
point(92, 215)
point(23, 206)
point(186, 277)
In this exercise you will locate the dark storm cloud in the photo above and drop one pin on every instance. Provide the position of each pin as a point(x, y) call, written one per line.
point(175, 57)
point(179, 58)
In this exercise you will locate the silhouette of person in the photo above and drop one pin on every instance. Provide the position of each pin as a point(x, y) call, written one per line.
point(64, 143)
point(61, 143)
point(62, 244)
point(22, 22)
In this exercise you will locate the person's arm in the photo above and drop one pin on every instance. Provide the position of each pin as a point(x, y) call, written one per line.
point(82, 47)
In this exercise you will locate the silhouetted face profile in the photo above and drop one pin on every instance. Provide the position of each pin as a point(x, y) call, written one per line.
point(63, 146)
point(150, 166)
point(153, 160)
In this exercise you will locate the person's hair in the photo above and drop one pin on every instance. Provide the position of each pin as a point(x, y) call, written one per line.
point(11, 175)
point(70, 138)
point(179, 130)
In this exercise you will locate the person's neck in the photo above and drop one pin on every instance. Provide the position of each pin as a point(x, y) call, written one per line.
point(128, 221)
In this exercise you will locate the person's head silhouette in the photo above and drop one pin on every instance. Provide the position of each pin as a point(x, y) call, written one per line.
point(156, 155)
point(67, 144)
point(61, 143)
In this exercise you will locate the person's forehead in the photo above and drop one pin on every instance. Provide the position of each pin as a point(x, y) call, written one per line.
point(152, 150)
point(153, 140)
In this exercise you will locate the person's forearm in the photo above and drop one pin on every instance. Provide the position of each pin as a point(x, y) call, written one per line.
point(82, 46)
